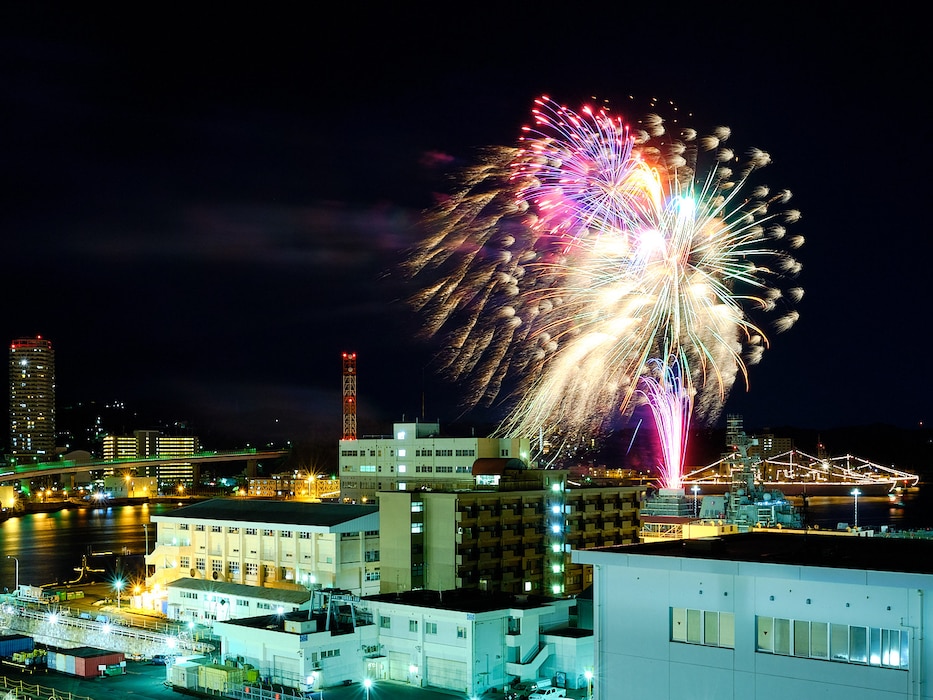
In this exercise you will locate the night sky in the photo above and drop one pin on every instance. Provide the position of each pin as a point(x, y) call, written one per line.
point(203, 210)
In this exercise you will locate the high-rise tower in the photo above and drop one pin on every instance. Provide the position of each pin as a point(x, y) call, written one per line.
point(32, 400)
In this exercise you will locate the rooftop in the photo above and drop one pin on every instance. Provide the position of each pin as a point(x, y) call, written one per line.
point(272, 512)
point(878, 553)
point(280, 595)
point(463, 600)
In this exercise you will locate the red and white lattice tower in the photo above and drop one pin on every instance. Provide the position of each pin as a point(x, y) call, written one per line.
point(349, 396)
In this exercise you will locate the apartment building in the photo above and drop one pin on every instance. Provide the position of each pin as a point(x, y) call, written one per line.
point(514, 536)
point(763, 615)
point(279, 544)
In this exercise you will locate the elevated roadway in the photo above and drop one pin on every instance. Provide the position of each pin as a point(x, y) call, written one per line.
point(31, 471)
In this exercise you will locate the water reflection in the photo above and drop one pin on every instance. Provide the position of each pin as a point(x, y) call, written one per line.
point(50, 545)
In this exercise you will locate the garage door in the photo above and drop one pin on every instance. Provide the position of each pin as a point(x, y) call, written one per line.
point(285, 669)
point(398, 665)
point(443, 673)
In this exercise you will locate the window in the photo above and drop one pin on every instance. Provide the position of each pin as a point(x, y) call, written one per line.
point(233, 531)
point(199, 528)
point(372, 575)
point(267, 533)
point(304, 535)
point(417, 527)
point(371, 555)
point(252, 569)
point(217, 565)
point(430, 628)
point(184, 562)
point(234, 567)
point(461, 632)
point(854, 644)
point(250, 531)
point(704, 627)
point(216, 528)
point(412, 625)
point(385, 622)
point(200, 564)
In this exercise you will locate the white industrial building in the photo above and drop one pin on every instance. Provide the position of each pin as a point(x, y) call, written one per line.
point(763, 616)
point(277, 544)
point(205, 602)
point(462, 641)
point(417, 455)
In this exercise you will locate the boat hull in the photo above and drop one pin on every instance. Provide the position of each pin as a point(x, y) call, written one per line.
point(796, 488)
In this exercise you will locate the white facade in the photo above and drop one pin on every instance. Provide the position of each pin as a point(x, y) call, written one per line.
point(460, 641)
point(298, 651)
point(754, 617)
point(417, 455)
point(206, 602)
point(281, 544)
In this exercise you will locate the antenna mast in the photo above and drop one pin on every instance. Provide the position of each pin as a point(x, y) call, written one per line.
point(349, 396)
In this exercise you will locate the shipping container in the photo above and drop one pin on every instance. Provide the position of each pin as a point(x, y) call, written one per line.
point(13, 643)
point(184, 675)
point(218, 677)
point(84, 662)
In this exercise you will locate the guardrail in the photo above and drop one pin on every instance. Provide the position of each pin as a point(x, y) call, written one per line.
point(22, 689)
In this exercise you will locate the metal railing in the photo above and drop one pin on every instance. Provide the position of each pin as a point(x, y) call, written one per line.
point(22, 689)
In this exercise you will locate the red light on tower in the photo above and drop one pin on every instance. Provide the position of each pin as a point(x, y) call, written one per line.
point(349, 396)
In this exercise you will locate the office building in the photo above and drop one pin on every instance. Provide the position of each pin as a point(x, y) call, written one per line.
point(32, 400)
point(278, 544)
point(172, 469)
point(416, 455)
point(763, 615)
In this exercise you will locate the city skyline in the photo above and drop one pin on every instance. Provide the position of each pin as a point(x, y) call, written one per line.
point(213, 211)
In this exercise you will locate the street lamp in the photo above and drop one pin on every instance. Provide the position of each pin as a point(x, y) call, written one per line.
point(367, 683)
point(856, 493)
point(118, 584)
point(16, 561)
point(589, 679)
point(696, 490)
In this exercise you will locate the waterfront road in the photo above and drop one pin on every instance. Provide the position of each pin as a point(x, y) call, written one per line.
point(145, 681)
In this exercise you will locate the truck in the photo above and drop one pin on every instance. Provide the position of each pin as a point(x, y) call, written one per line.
point(33, 594)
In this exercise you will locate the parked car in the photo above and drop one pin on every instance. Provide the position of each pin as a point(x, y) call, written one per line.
point(162, 659)
point(523, 689)
point(548, 694)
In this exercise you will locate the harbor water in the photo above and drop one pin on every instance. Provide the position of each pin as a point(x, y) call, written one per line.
point(50, 546)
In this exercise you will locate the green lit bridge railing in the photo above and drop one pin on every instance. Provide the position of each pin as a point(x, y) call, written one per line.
point(66, 466)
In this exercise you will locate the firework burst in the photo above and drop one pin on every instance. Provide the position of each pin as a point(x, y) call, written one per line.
point(577, 259)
